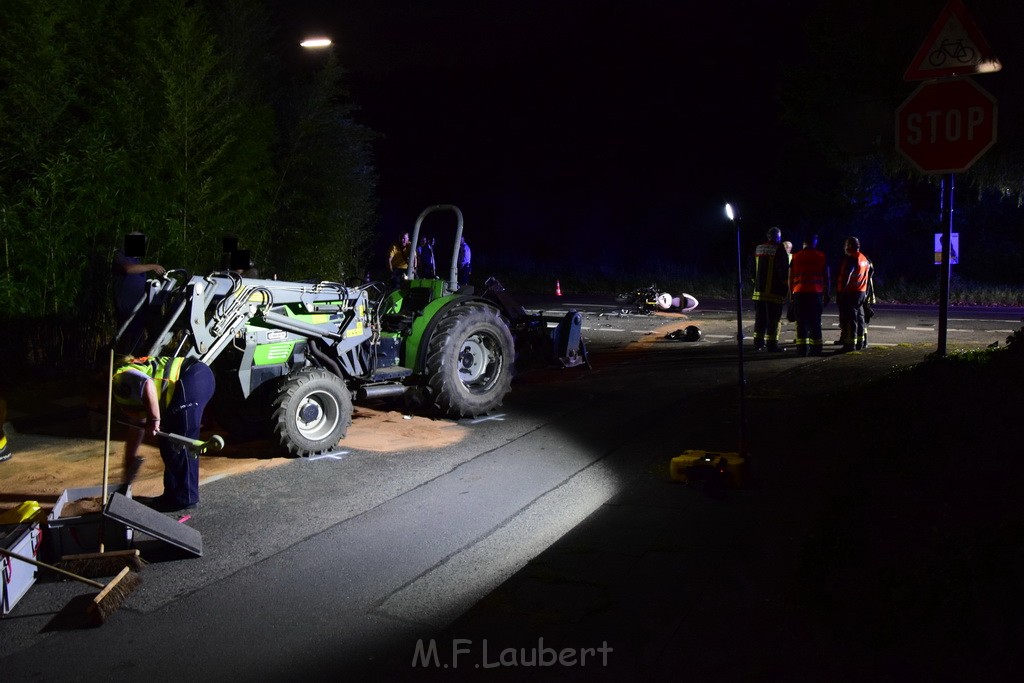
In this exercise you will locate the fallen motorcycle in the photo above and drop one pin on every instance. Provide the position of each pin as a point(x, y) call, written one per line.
point(650, 299)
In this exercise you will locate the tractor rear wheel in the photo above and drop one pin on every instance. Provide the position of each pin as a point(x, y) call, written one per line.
point(312, 412)
point(469, 361)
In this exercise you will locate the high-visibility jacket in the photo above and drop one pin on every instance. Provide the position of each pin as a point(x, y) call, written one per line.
point(861, 267)
point(771, 273)
point(163, 370)
point(807, 271)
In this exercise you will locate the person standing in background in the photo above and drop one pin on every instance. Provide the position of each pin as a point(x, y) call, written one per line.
point(771, 290)
point(129, 276)
point(465, 265)
point(426, 266)
point(809, 282)
point(852, 282)
point(398, 259)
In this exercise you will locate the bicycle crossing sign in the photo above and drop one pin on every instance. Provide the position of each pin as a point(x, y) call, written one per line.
point(954, 47)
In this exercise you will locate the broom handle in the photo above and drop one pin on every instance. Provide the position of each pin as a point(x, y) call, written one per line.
point(106, 440)
point(70, 575)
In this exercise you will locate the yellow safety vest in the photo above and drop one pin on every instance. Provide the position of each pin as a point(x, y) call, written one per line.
point(163, 370)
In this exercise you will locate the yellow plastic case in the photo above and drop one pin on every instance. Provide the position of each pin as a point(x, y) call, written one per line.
point(693, 466)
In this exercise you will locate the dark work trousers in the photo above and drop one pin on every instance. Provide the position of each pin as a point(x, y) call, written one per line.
point(128, 292)
point(808, 322)
point(767, 324)
point(184, 416)
point(852, 331)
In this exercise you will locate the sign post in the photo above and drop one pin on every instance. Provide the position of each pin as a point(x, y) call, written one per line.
point(944, 126)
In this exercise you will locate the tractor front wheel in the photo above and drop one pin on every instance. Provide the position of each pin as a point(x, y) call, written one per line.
point(469, 361)
point(312, 412)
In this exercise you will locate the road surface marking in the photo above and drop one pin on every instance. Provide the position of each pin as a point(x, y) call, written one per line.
point(921, 329)
point(338, 455)
point(982, 320)
point(498, 418)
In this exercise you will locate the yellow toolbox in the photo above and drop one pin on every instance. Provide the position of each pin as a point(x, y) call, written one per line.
point(709, 467)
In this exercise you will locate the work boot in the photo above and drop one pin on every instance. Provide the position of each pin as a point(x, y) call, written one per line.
point(5, 451)
point(773, 347)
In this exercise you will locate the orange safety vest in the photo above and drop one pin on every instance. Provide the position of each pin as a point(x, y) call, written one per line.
point(861, 267)
point(808, 271)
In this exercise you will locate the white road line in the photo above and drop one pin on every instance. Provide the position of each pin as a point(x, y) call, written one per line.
point(497, 418)
point(1002, 331)
point(604, 329)
point(337, 455)
point(882, 327)
point(921, 329)
point(982, 320)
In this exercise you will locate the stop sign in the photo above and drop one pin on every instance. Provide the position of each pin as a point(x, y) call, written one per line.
point(945, 126)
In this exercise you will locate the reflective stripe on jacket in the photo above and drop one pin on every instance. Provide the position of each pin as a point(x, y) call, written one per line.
point(163, 370)
point(771, 273)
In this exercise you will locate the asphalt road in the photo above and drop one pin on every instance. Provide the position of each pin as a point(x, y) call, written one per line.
point(318, 565)
point(892, 324)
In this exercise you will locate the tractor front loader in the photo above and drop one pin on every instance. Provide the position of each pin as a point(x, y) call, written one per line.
point(292, 357)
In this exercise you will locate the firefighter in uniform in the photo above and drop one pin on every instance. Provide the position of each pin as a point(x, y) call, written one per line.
point(852, 282)
point(771, 290)
point(168, 395)
point(809, 282)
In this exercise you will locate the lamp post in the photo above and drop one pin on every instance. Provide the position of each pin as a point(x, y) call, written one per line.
point(316, 43)
point(731, 215)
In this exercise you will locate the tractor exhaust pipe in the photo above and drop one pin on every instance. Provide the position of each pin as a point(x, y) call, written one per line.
point(374, 391)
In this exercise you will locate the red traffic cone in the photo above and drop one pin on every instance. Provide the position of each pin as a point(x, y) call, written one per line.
point(558, 288)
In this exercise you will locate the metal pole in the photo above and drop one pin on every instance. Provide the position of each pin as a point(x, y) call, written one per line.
point(739, 341)
point(944, 269)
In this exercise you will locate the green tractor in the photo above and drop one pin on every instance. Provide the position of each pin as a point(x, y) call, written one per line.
point(293, 357)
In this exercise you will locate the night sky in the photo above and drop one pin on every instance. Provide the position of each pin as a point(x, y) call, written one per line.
point(561, 122)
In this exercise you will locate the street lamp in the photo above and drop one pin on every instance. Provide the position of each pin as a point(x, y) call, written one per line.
point(316, 43)
point(731, 215)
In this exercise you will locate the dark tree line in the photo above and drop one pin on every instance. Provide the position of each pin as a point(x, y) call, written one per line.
point(177, 119)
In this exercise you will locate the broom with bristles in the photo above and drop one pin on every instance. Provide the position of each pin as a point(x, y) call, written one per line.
point(111, 596)
point(103, 563)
